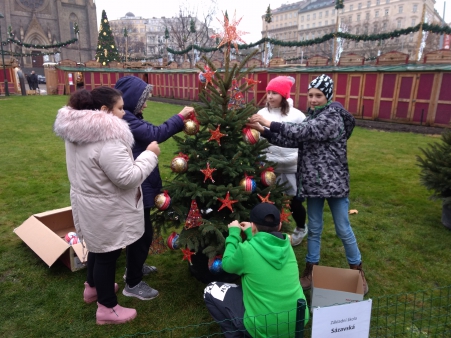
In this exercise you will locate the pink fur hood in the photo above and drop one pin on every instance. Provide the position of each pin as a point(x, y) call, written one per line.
point(90, 126)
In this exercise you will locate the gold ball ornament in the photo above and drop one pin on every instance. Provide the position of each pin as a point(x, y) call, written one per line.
point(162, 201)
point(251, 136)
point(268, 177)
point(104, 63)
point(190, 127)
point(179, 165)
point(104, 33)
point(105, 20)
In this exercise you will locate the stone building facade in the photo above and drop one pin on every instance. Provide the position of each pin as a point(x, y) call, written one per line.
point(45, 22)
point(315, 18)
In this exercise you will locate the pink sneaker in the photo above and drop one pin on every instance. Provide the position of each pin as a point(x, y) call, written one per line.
point(90, 293)
point(115, 315)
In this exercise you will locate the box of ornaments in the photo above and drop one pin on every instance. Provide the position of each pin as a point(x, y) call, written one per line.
point(51, 235)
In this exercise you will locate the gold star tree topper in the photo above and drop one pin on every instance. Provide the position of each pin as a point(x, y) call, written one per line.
point(230, 34)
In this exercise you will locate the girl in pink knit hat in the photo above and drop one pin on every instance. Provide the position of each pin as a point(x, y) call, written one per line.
point(279, 108)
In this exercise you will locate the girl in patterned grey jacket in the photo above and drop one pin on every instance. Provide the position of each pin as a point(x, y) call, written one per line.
point(323, 172)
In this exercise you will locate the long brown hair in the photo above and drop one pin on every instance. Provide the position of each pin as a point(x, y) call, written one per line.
point(95, 99)
point(284, 106)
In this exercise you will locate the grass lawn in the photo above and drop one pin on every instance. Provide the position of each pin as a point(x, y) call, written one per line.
point(404, 246)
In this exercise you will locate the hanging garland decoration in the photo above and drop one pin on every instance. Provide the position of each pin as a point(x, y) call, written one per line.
point(29, 54)
point(29, 45)
point(373, 37)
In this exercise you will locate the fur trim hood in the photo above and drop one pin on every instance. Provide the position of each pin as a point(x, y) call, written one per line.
point(90, 126)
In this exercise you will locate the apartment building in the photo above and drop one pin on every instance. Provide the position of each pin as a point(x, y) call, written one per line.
point(361, 17)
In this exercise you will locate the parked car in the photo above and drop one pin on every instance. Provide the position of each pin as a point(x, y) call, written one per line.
point(41, 79)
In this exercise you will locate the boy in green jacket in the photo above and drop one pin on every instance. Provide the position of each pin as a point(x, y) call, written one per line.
point(265, 304)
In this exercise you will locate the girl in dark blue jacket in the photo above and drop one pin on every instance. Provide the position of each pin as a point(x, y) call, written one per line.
point(135, 93)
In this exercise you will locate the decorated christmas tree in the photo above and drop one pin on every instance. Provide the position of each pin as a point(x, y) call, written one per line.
point(220, 166)
point(106, 47)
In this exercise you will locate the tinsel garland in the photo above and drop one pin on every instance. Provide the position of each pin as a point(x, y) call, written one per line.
point(29, 54)
point(363, 37)
point(29, 45)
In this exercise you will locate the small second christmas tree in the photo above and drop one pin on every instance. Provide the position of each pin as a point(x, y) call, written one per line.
point(221, 167)
point(106, 47)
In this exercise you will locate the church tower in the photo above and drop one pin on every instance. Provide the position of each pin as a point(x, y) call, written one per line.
point(45, 22)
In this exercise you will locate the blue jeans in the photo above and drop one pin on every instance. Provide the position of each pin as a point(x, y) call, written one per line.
point(339, 209)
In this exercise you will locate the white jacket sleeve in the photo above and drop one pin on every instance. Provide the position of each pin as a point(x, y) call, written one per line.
point(121, 169)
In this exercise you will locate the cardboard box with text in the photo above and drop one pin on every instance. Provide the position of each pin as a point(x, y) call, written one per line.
point(44, 234)
point(331, 286)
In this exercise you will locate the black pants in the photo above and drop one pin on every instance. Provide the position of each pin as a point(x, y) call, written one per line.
point(137, 252)
point(298, 211)
point(101, 275)
point(225, 303)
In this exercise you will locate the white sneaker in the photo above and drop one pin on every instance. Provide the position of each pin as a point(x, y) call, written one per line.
point(298, 235)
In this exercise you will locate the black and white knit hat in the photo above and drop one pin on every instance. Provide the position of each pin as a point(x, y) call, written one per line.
point(143, 99)
point(325, 84)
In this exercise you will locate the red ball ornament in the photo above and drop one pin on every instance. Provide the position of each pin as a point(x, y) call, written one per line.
point(268, 177)
point(162, 201)
point(172, 241)
point(250, 135)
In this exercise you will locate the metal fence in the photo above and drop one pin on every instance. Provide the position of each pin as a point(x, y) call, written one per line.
point(423, 314)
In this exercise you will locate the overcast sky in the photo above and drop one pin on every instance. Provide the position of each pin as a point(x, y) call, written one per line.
point(250, 11)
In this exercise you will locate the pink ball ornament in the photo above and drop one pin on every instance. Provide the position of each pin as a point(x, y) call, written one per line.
point(72, 238)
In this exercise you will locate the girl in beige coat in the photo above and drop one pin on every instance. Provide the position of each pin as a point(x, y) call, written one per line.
point(105, 189)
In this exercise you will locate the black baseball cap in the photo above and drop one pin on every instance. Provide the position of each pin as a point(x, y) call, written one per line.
point(259, 215)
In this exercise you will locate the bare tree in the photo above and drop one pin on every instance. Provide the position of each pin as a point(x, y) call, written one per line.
point(191, 26)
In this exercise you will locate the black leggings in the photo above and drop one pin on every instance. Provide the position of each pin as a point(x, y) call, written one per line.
point(101, 275)
point(298, 211)
point(137, 252)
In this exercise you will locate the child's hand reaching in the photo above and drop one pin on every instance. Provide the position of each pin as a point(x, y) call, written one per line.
point(154, 148)
point(186, 112)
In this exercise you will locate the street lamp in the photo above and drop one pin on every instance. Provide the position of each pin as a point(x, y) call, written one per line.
point(3, 59)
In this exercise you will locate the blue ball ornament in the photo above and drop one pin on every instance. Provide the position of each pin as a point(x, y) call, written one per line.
point(202, 78)
point(216, 266)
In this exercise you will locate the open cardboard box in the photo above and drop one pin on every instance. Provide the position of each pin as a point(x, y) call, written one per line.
point(44, 234)
point(332, 286)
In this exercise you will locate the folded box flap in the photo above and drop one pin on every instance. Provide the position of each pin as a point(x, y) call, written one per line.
point(43, 241)
point(81, 252)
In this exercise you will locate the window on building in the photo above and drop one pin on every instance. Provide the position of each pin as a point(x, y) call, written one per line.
point(342, 10)
point(387, 1)
point(360, 5)
point(411, 37)
point(314, 16)
point(357, 30)
point(398, 24)
point(285, 16)
point(367, 15)
point(313, 26)
point(302, 18)
point(384, 25)
point(326, 22)
point(378, 2)
point(368, 4)
point(308, 17)
point(320, 15)
point(400, 9)
point(375, 28)
point(332, 22)
point(350, 18)
point(386, 12)
point(413, 23)
point(326, 13)
point(358, 17)
point(333, 11)
point(351, 7)
point(319, 24)
point(302, 26)
point(415, 8)
point(308, 26)
point(376, 14)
